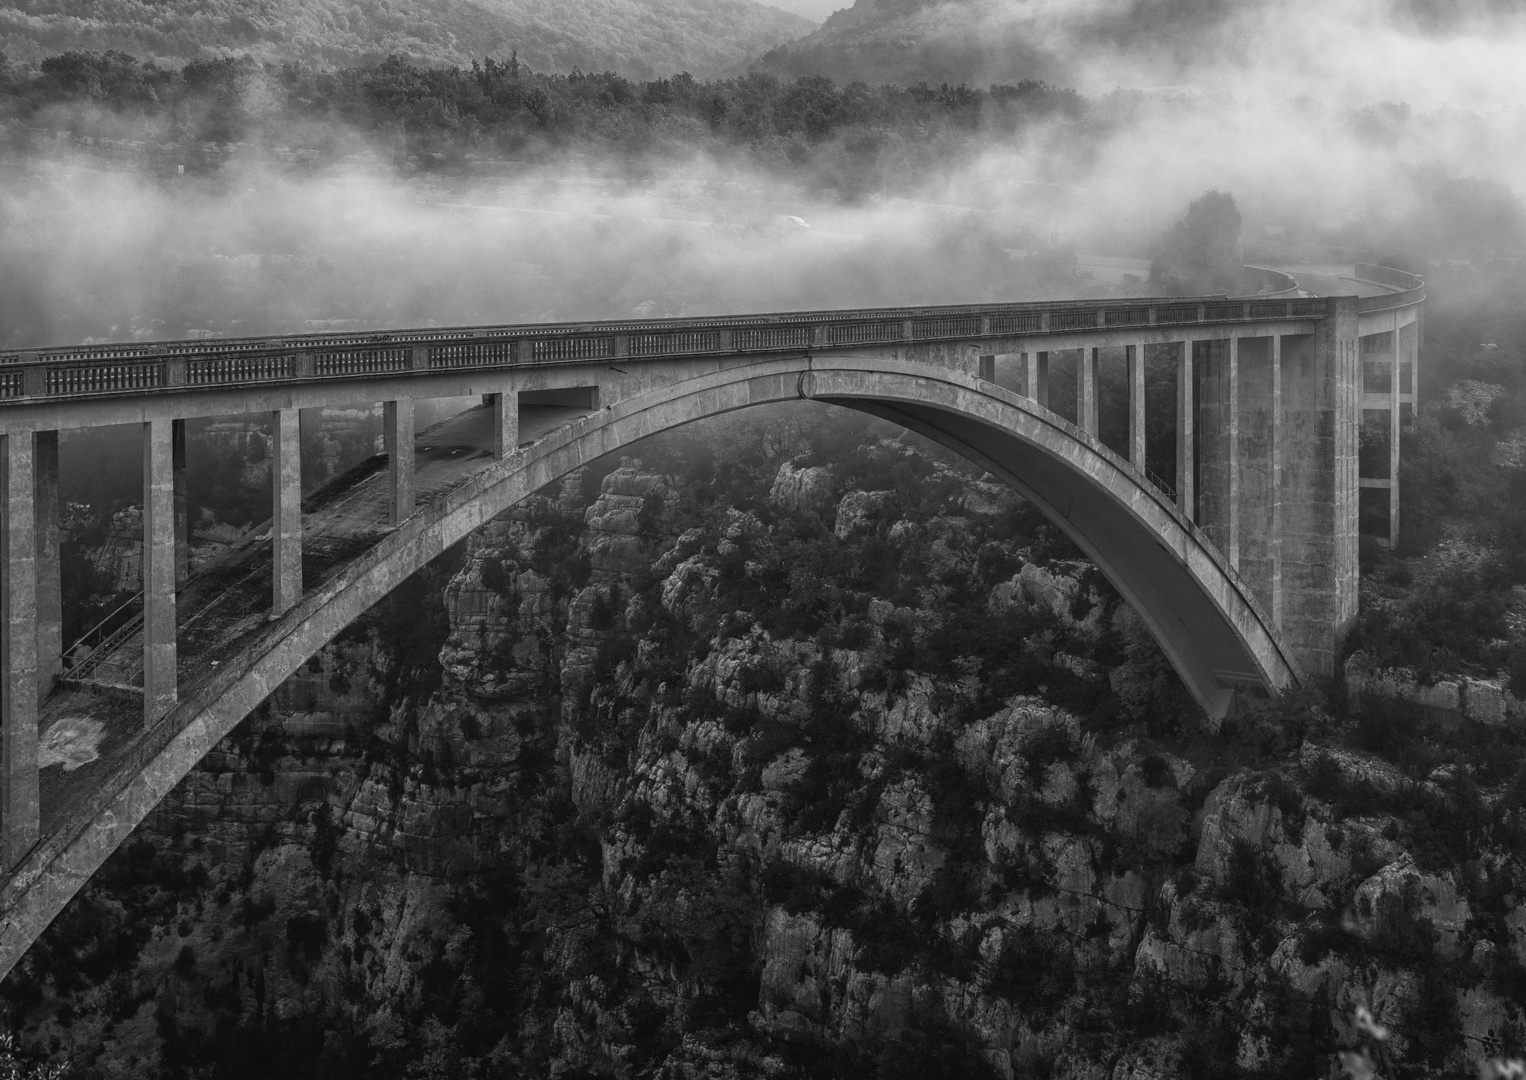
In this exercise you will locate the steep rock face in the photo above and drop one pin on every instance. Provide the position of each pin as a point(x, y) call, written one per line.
point(118, 559)
point(803, 490)
point(503, 614)
point(859, 510)
point(659, 777)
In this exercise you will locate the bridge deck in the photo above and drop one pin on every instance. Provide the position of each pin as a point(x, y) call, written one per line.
point(226, 602)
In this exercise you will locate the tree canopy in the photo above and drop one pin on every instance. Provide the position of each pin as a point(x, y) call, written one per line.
point(1201, 252)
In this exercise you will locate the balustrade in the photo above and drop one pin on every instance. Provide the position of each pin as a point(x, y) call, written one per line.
point(127, 369)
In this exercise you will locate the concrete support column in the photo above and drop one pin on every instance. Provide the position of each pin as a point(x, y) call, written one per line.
point(1277, 425)
point(50, 598)
point(182, 506)
point(1212, 444)
point(1232, 454)
point(159, 677)
point(1393, 440)
point(1321, 394)
point(1136, 359)
point(19, 798)
point(397, 432)
point(1040, 384)
point(505, 408)
point(1415, 363)
point(1086, 391)
point(286, 511)
point(1184, 433)
point(988, 367)
point(1256, 467)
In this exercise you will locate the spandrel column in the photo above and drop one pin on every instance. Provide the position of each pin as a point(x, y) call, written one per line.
point(1086, 391)
point(50, 600)
point(19, 800)
point(286, 511)
point(1394, 408)
point(182, 506)
point(1136, 360)
point(397, 433)
point(1232, 449)
point(1184, 433)
point(159, 685)
point(505, 409)
point(1277, 516)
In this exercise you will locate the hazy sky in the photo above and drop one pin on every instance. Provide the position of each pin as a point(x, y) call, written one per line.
point(1291, 121)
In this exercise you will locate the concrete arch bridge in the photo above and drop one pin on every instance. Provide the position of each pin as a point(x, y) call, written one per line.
point(1245, 569)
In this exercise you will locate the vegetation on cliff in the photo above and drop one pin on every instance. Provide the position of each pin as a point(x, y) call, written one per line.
point(799, 748)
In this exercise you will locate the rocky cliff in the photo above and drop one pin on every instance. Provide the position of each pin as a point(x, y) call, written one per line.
point(790, 748)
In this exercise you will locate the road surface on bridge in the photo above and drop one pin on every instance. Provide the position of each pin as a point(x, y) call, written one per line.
point(88, 731)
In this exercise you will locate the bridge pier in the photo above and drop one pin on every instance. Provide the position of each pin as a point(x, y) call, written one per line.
point(1321, 390)
point(286, 511)
point(19, 799)
point(397, 433)
point(159, 674)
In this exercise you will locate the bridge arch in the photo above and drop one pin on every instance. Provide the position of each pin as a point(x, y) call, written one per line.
point(1204, 617)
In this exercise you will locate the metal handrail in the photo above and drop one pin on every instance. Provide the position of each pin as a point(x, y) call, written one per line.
point(103, 636)
point(1158, 482)
point(100, 653)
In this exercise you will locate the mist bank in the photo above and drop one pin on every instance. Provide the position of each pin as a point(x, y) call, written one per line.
point(1457, 53)
point(230, 197)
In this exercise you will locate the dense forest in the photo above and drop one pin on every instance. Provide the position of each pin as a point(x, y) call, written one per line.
point(845, 141)
point(852, 139)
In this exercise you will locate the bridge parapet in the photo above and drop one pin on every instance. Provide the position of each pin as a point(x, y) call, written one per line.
point(124, 370)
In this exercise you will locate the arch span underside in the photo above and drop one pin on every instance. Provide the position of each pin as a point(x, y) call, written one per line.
point(1202, 614)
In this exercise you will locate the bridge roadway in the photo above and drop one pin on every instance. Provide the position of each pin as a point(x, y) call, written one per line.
point(90, 725)
point(1239, 591)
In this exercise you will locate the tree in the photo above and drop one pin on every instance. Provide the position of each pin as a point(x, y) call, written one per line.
point(1200, 253)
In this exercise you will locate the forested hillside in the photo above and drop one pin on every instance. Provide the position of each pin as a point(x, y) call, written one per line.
point(636, 37)
point(1212, 44)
